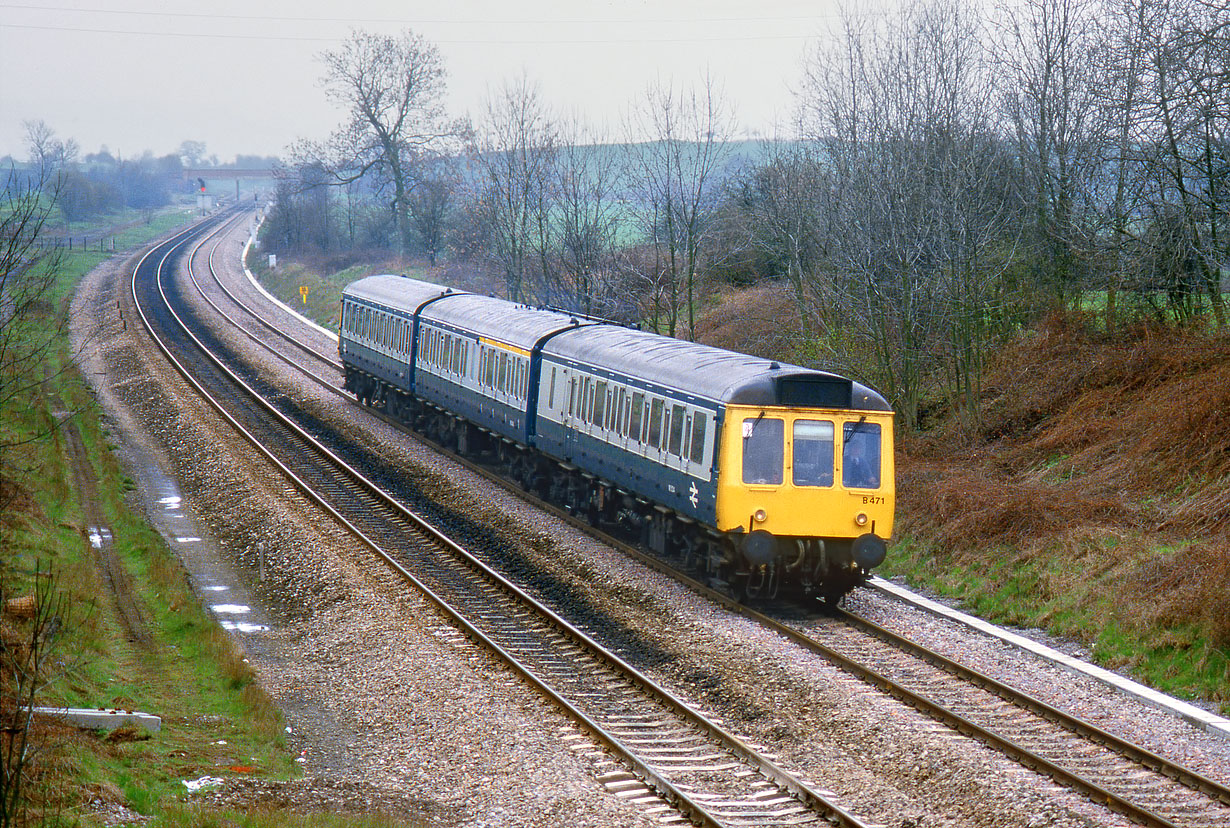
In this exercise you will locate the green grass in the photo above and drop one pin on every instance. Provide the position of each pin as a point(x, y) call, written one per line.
point(1071, 595)
point(192, 675)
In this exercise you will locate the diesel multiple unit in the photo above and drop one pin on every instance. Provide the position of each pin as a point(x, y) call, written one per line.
point(759, 477)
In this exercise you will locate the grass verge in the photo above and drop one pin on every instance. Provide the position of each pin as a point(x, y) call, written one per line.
point(217, 721)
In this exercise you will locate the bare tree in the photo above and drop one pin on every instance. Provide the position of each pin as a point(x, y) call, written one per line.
point(515, 152)
point(1050, 59)
point(586, 213)
point(431, 203)
point(29, 325)
point(33, 656)
point(679, 145)
point(1121, 120)
point(922, 196)
point(787, 199)
point(49, 155)
point(1192, 81)
point(192, 153)
point(394, 89)
point(1166, 80)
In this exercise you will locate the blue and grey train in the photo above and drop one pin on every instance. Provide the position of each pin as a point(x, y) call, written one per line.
point(761, 478)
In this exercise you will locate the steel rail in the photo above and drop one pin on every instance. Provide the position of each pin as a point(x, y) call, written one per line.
point(815, 800)
point(1152, 761)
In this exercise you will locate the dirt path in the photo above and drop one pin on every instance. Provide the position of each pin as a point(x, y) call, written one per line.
point(98, 535)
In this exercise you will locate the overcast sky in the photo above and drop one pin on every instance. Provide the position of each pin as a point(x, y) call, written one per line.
point(242, 75)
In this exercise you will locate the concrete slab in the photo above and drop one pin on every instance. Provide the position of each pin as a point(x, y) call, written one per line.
point(101, 719)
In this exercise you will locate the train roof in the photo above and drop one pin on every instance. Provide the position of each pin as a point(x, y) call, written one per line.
point(499, 319)
point(712, 373)
point(699, 370)
point(396, 291)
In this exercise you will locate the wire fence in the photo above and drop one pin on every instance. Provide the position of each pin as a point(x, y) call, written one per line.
point(102, 244)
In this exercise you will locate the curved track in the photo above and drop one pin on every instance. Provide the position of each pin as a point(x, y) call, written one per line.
point(1147, 788)
point(688, 760)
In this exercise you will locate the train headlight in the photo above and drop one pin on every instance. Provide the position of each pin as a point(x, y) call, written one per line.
point(861, 519)
point(761, 516)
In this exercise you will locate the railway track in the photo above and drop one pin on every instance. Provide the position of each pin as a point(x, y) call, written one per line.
point(678, 762)
point(1147, 788)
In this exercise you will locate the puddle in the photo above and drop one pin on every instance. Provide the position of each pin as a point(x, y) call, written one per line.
point(243, 626)
point(210, 570)
point(99, 536)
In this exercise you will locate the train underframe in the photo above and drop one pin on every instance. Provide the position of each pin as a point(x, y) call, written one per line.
point(793, 568)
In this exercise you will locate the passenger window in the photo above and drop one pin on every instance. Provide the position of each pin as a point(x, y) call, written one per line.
point(638, 416)
point(813, 453)
point(551, 391)
point(698, 437)
point(860, 455)
point(572, 396)
point(599, 403)
point(677, 427)
point(763, 450)
point(655, 423)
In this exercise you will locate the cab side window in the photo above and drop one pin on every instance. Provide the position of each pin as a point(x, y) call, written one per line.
point(763, 450)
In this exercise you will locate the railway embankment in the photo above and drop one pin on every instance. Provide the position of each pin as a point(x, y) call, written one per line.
point(1092, 499)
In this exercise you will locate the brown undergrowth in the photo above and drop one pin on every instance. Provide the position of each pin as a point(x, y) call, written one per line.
point(1094, 446)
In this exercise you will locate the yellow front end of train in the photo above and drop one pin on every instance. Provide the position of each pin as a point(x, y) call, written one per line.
point(807, 481)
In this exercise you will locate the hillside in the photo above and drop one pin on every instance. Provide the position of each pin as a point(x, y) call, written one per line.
point(1093, 501)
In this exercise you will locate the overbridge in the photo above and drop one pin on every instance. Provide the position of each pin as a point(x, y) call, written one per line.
point(224, 174)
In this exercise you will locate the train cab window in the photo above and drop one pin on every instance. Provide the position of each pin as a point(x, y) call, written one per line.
point(860, 455)
point(699, 424)
point(813, 453)
point(676, 433)
point(763, 450)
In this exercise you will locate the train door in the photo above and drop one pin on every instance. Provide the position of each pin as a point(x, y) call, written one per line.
point(568, 410)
